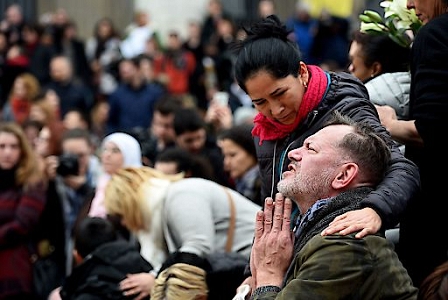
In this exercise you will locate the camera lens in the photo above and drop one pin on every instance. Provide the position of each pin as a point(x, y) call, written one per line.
point(68, 164)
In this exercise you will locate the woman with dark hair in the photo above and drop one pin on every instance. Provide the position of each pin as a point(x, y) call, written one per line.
point(175, 160)
point(295, 100)
point(240, 160)
point(103, 54)
point(383, 66)
point(372, 55)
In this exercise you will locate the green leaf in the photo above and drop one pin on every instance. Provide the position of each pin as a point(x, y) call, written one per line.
point(374, 16)
point(364, 18)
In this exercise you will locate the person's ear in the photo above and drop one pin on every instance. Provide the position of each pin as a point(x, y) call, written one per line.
point(376, 68)
point(303, 73)
point(346, 174)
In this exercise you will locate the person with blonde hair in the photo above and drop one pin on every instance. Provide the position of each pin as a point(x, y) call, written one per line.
point(174, 217)
point(181, 282)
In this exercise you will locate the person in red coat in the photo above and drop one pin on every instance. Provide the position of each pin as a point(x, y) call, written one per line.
point(22, 200)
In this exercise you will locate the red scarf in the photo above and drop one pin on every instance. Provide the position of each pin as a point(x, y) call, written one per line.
point(269, 129)
point(20, 109)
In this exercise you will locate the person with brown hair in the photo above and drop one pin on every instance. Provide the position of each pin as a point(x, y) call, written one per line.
point(435, 285)
point(240, 160)
point(22, 200)
point(24, 89)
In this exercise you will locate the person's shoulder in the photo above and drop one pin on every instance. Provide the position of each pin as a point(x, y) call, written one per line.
point(372, 243)
point(155, 87)
point(345, 86)
point(342, 76)
point(113, 42)
point(192, 188)
point(121, 88)
point(346, 247)
point(192, 183)
point(392, 81)
point(441, 20)
point(437, 27)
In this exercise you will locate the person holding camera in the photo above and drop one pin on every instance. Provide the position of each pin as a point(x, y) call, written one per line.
point(72, 172)
point(76, 173)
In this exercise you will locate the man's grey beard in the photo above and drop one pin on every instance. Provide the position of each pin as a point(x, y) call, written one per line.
point(289, 188)
point(300, 188)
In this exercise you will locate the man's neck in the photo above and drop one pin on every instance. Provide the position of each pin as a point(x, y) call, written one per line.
point(136, 82)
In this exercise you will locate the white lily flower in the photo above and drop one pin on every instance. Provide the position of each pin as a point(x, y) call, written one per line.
point(386, 3)
point(404, 23)
point(400, 8)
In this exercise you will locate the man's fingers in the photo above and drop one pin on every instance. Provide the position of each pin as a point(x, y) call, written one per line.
point(268, 208)
point(259, 224)
point(287, 210)
point(338, 219)
point(278, 213)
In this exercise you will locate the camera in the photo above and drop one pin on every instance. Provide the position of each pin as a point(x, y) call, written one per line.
point(68, 165)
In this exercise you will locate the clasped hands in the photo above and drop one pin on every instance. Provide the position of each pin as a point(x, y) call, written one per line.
point(273, 247)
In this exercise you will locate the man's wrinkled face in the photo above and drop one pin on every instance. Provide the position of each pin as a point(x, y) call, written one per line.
point(314, 166)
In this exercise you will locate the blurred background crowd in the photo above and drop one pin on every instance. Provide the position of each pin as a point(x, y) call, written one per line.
point(95, 86)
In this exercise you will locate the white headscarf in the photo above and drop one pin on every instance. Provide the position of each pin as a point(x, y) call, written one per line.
point(132, 157)
point(129, 148)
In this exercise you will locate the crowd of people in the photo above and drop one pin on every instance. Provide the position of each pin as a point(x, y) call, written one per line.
point(129, 162)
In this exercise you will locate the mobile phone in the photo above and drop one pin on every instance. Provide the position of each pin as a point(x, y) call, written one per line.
point(221, 98)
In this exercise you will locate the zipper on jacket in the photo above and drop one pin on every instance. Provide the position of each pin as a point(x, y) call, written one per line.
point(281, 161)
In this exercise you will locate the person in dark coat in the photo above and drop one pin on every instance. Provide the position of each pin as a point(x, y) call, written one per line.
point(22, 200)
point(72, 91)
point(424, 222)
point(295, 100)
point(329, 175)
point(103, 261)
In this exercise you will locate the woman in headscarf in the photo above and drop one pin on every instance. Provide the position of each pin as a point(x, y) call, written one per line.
point(118, 150)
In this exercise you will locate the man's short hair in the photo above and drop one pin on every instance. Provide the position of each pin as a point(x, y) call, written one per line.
point(77, 133)
point(368, 148)
point(93, 232)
